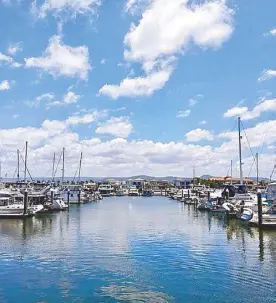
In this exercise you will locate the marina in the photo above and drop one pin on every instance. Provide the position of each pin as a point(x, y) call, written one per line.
point(135, 249)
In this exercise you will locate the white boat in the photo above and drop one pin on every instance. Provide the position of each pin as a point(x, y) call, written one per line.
point(268, 219)
point(10, 209)
point(59, 204)
point(133, 191)
point(245, 214)
point(121, 192)
point(76, 195)
point(106, 190)
point(271, 192)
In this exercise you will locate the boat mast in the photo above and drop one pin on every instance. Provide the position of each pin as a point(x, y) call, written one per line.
point(80, 166)
point(231, 169)
point(274, 167)
point(26, 156)
point(62, 178)
point(53, 168)
point(194, 176)
point(18, 171)
point(240, 152)
point(257, 164)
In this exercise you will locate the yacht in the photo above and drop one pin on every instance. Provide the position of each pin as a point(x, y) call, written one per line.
point(8, 208)
point(121, 192)
point(106, 190)
point(133, 191)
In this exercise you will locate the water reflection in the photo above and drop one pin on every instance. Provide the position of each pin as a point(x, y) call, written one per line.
point(132, 294)
point(135, 250)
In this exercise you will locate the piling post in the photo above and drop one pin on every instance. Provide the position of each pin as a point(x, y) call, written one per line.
point(25, 202)
point(79, 195)
point(208, 195)
point(182, 193)
point(260, 210)
point(52, 196)
point(227, 194)
point(68, 197)
point(188, 193)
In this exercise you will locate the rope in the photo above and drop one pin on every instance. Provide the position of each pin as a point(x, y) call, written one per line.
point(57, 167)
point(26, 167)
point(247, 141)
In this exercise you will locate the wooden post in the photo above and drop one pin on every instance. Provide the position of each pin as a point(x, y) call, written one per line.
point(208, 195)
point(227, 194)
point(188, 193)
point(25, 202)
point(52, 196)
point(79, 195)
point(68, 197)
point(260, 210)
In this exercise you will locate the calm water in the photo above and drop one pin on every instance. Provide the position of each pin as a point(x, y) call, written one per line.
point(135, 250)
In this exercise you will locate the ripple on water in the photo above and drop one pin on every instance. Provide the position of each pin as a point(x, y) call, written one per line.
point(135, 250)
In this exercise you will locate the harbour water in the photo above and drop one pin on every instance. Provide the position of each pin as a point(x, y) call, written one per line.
point(134, 249)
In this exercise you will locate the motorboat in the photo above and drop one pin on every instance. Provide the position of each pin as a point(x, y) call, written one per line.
point(245, 214)
point(147, 193)
point(106, 190)
point(133, 191)
point(121, 192)
point(268, 218)
point(8, 208)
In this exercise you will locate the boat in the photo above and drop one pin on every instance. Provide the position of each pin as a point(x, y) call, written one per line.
point(245, 214)
point(121, 192)
point(147, 193)
point(106, 190)
point(271, 192)
point(268, 219)
point(10, 209)
point(133, 191)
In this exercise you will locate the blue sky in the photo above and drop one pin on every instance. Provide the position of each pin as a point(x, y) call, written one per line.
point(140, 86)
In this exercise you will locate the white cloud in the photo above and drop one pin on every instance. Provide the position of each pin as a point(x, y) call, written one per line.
point(5, 85)
point(133, 6)
point(267, 74)
point(103, 61)
point(246, 114)
point(121, 157)
point(203, 122)
point(4, 59)
point(87, 118)
point(116, 126)
point(47, 97)
point(134, 87)
point(71, 7)
point(62, 60)
point(261, 133)
point(15, 116)
point(192, 102)
point(183, 113)
point(199, 134)
point(14, 48)
point(69, 98)
point(272, 32)
point(166, 29)
point(235, 111)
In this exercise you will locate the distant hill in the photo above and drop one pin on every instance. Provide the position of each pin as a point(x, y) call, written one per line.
point(144, 177)
point(206, 177)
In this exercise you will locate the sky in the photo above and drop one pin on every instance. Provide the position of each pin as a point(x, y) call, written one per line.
point(138, 86)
